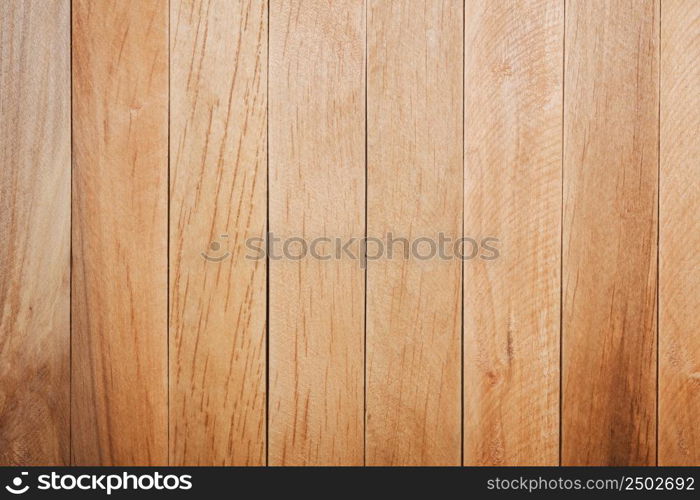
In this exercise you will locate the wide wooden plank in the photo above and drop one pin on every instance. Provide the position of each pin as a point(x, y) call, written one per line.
point(218, 100)
point(120, 194)
point(679, 227)
point(610, 232)
point(414, 162)
point(34, 232)
point(512, 192)
point(317, 186)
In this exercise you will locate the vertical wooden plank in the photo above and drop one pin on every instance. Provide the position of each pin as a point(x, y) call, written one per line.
point(317, 186)
point(513, 152)
point(218, 137)
point(34, 232)
point(610, 232)
point(119, 286)
point(679, 273)
point(414, 161)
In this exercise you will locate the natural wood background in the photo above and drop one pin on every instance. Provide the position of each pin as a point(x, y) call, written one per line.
point(137, 135)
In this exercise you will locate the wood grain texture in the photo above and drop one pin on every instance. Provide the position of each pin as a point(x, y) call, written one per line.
point(34, 232)
point(317, 186)
point(414, 162)
point(679, 239)
point(513, 147)
point(610, 232)
point(218, 102)
point(119, 274)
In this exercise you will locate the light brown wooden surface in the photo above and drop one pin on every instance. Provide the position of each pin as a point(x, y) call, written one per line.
point(134, 318)
point(218, 158)
point(610, 232)
point(34, 232)
point(414, 174)
point(120, 195)
point(679, 239)
point(317, 186)
point(512, 192)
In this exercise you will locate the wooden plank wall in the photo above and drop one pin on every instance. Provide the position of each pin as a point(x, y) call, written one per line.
point(136, 329)
point(35, 232)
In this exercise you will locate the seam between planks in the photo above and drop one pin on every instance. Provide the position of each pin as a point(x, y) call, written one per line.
point(267, 256)
point(167, 300)
point(658, 229)
point(461, 288)
point(364, 349)
point(561, 241)
point(70, 264)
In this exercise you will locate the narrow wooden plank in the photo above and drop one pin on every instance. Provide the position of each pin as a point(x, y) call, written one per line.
point(317, 186)
point(119, 285)
point(679, 273)
point(512, 192)
point(414, 127)
point(610, 232)
point(218, 70)
point(34, 232)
